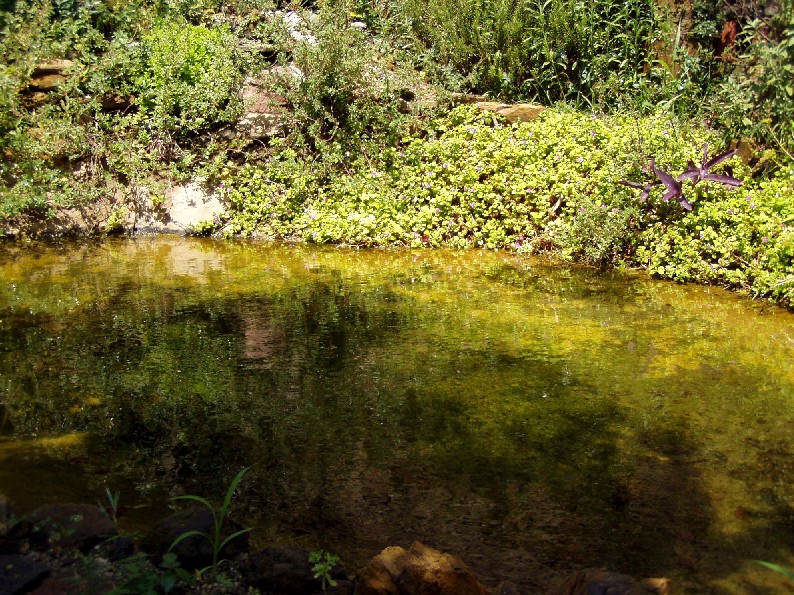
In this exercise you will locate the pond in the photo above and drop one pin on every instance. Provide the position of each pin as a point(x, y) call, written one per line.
point(530, 417)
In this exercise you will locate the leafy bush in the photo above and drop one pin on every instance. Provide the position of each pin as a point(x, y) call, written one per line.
point(551, 183)
point(543, 49)
point(757, 99)
point(189, 80)
point(344, 102)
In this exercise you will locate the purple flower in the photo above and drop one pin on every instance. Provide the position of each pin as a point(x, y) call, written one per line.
point(438, 210)
point(700, 234)
point(580, 159)
point(592, 134)
point(765, 239)
point(614, 209)
point(730, 211)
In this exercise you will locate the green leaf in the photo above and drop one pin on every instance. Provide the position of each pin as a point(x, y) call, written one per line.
point(195, 499)
point(232, 536)
point(784, 571)
point(232, 488)
point(168, 582)
point(187, 534)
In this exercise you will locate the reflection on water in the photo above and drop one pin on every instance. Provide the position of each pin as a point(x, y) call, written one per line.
point(531, 418)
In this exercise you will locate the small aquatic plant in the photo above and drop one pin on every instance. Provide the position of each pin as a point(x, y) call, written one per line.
point(215, 538)
point(322, 564)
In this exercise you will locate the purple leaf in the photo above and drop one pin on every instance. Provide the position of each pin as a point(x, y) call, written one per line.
point(714, 161)
point(724, 179)
point(631, 184)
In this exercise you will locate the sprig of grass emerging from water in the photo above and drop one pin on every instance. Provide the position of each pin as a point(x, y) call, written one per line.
point(218, 515)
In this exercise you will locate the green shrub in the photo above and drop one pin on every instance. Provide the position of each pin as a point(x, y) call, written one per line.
point(543, 49)
point(757, 99)
point(189, 79)
point(552, 183)
point(344, 103)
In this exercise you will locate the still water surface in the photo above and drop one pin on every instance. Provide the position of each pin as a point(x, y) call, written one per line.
point(532, 418)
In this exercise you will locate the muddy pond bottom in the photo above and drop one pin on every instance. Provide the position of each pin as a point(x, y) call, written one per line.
point(530, 417)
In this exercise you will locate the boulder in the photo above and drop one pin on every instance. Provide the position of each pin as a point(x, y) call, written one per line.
point(602, 582)
point(19, 574)
point(50, 75)
point(420, 570)
point(64, 525)
point(267, 113)
point(512, 112)
point(195, 551)
point(288, 571)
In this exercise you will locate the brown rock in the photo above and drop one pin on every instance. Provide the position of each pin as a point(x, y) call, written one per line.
point(19, 574)
point(603, 582)
point(419, 570)
point(466, 98)
point(50, 75)
point(512, 112)
point(47, 82)
point(66, 525)
point(267, 113)
point(52, 67)
point(112, 103)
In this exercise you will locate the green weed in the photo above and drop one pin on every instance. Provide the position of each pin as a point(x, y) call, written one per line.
point(322, 565)
point(214, 537)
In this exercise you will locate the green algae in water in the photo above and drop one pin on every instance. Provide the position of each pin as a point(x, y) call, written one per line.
point(532, 418)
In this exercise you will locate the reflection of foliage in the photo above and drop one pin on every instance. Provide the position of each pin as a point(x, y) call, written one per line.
point(332, 367)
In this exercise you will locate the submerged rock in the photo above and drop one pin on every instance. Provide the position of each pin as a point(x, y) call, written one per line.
point(420, 570)
point(602, 582)
point(81, 526)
